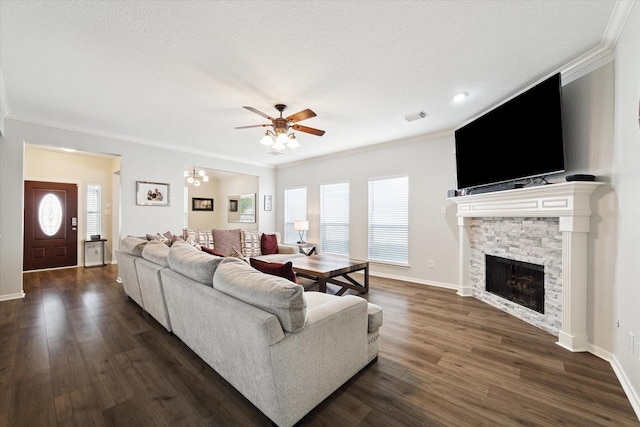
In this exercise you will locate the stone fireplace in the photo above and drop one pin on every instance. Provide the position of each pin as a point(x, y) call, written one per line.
point(546, 226)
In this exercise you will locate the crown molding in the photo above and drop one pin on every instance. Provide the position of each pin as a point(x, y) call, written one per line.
point(388, 144)
point(603, 53)
point(129, 139)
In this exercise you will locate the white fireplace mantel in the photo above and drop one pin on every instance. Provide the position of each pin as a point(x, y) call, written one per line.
point(570, 202)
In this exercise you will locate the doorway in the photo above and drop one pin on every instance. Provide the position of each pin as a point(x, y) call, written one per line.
point(50, 225)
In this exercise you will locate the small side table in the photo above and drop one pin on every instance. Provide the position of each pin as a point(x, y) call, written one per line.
point(90, 245)
point(307, 248)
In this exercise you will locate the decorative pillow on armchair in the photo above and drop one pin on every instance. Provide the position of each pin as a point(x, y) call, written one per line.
point(224, 240)
point(269, 244)
point(275, 269)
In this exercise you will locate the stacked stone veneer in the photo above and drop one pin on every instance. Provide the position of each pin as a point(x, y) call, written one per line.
point(533, 240)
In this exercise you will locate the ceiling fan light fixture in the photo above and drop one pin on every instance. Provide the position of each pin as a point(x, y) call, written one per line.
point(205, 178)
point(196, 183)
point(282, 139)
point(266, 139)
point(278, 137)
point(293, 142)
point(190, 180)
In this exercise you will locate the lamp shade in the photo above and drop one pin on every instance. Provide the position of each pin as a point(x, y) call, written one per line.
point(301, 225)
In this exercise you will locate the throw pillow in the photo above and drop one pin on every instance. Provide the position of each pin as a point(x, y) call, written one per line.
point(211, 251)
point(250, 243)
point(234, 253)
point(223, 240)
point(275, 269)
point(269, 244)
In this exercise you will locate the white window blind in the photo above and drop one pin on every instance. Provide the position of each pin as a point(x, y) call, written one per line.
point(334, 218)
point(389, 220)
point(295, 209)
point(94, 209)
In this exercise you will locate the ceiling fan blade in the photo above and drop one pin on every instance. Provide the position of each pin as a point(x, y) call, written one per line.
point(260, 113)
point(254, 126)
point(301, 115)
point(307, 129)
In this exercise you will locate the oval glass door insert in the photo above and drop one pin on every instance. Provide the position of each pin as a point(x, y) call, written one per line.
point(50, 214)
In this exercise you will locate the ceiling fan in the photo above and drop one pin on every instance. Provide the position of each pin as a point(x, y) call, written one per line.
point(281, 126)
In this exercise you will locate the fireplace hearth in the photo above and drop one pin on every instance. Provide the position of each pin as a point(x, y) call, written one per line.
point(516, 281)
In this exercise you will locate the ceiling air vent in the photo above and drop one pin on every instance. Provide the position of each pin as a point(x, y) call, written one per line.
point(415, 116)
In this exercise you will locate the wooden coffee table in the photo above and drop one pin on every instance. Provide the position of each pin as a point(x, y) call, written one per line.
point(326, 269)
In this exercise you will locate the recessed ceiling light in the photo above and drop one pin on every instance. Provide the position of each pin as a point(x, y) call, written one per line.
point(459, 97)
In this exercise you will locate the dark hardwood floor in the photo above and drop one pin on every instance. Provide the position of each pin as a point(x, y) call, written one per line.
point(75, 351)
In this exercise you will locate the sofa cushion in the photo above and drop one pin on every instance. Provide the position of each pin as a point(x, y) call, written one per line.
point(156, 252)
point(250, 243)
point(273, 294)
point(269, 244)
point(133, 245)
point(223, 240)
point(275, 268)
point(193, 263)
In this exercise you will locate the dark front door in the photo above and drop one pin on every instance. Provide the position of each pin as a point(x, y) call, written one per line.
point(50, 225)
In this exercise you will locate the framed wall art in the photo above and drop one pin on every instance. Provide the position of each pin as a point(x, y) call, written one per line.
point(200, 204)
point(267, 202)
point(152, 193)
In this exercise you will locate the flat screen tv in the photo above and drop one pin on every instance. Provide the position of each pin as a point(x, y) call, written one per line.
point(521, 138)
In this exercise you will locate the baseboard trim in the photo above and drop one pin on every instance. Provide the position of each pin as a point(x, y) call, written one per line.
point(632, 394)
point(9, 297)
point(414, 280)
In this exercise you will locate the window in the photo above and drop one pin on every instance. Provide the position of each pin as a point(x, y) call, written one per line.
point(334, 218)
point(295, 209)
point(94, 209)
point(389, 220)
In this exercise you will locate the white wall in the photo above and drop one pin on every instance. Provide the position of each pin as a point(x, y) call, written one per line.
point(140, 162)
point(430, 165)
point(624, 282)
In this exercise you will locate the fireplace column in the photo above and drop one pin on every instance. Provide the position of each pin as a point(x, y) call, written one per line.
point(464, 253)
point(573, 334)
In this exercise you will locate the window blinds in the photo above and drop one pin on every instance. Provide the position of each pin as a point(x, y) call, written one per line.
point(389, 220)
point(94, 210)
point(334, 218)
point(295, 209)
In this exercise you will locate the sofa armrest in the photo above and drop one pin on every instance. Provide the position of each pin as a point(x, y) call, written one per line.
point(287, 249)
point(335, 335)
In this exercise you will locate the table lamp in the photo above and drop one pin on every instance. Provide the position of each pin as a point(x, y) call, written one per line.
point(301, 226)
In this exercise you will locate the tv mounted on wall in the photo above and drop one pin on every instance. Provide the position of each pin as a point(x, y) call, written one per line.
point(520, 139)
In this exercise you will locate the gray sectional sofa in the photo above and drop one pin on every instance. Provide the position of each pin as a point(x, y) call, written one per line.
point(284, 349)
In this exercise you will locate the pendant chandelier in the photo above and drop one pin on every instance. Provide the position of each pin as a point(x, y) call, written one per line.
point(195, 178)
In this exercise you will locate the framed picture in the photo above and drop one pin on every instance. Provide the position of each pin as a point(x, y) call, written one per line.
point(198, 204)
point(267, 202)
point(152, 193)
point(233, 204)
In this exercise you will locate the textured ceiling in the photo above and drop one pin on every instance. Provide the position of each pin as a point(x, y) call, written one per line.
point(177, 73)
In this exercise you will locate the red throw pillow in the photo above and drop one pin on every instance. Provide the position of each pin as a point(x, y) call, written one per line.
point(275, 269)
point(269, 244)
point(211, 251)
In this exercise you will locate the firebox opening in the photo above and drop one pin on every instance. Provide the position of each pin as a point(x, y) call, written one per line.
point(517, 281)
